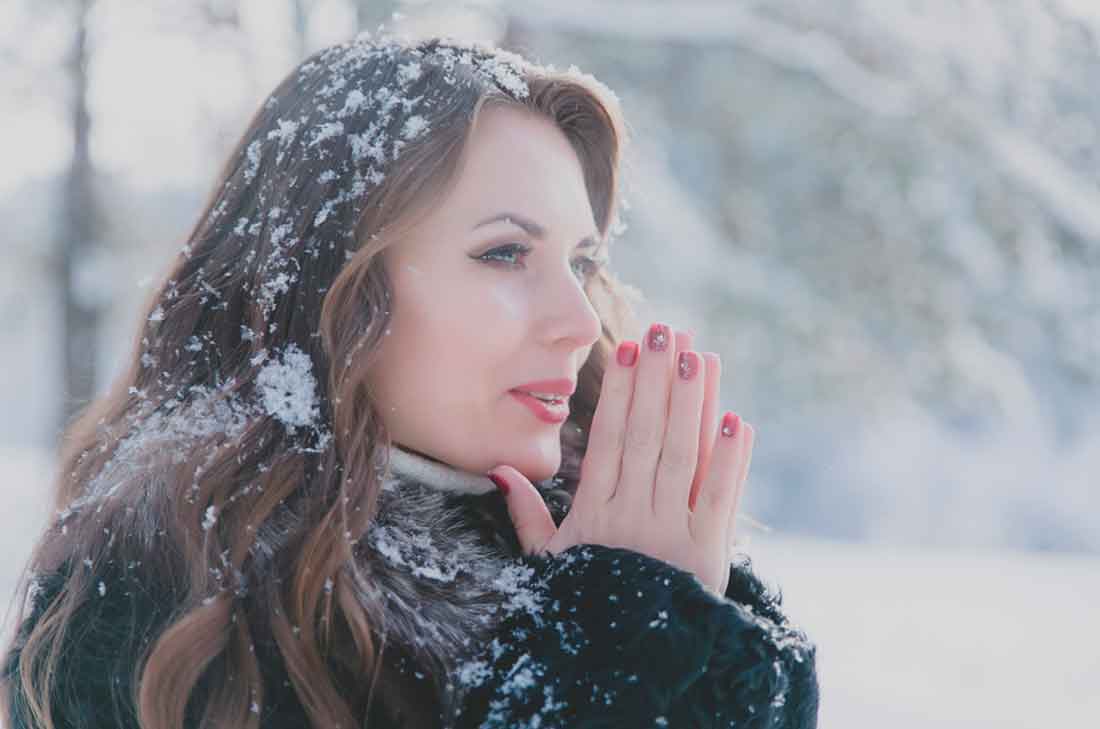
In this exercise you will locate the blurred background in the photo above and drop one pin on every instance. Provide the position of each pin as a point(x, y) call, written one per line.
point(883, 214)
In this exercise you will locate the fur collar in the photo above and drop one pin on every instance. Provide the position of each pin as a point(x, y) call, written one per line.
point(412, 466)
point(440, 553)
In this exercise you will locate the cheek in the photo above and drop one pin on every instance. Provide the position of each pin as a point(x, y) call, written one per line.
point(508, 300)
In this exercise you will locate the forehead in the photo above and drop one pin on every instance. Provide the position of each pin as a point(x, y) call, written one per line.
point(518, 161)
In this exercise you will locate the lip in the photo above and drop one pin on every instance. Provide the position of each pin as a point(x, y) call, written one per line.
point(560, 386)
point(543, 411)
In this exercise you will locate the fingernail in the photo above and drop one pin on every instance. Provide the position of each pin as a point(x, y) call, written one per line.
point(688, 365)
point(502, 485)
point(627, 354)
point(730, 424)
point(658, 337)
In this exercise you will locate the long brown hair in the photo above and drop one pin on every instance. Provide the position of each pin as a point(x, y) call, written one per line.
point(216, 470)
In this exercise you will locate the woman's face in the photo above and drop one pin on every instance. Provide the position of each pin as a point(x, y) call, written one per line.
point(464, 331)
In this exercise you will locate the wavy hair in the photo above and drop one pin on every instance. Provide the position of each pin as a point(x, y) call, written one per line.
point(234, 466)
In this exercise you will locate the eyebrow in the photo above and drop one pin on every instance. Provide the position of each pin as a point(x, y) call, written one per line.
point(532, 228)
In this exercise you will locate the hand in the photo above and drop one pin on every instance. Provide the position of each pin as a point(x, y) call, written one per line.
point(658, 477)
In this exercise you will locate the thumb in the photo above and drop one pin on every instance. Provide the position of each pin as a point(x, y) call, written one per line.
point(530, 517)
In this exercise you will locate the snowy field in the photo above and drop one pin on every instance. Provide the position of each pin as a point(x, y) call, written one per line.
point(906, 637)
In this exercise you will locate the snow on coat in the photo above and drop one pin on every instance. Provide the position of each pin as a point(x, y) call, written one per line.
point(592, 637)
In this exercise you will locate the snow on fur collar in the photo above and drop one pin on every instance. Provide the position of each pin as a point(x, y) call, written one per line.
point(441, 554)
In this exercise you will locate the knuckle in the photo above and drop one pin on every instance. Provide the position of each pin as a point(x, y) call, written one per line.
point(640, 437)
point(677, 459)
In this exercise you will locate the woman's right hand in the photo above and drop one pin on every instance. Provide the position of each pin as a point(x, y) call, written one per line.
point(658, 476)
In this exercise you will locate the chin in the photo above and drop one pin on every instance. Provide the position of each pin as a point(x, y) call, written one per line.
point(540, 466)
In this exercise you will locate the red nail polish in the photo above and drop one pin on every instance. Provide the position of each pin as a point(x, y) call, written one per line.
point(730, 424)
point(627, 354)
point(500, 482)
point(658, 337)
point(689, 365)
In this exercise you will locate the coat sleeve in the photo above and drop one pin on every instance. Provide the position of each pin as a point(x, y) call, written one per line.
point(599, 636)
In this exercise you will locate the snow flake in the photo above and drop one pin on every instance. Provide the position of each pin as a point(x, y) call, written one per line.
point(330, 89)
point(522, 676)
point(253, 154)
point(328, 130)
point(274, 286)
point(661, 621)
point(324, 212)
point(514, 581)
point(414, 551)
point(285, 133)
point(288, 388)
point(473, 673)
point(354, 103)
point(385, 96)
point(408, 72)
point(503, 67)
point(280, 233)
point(366, 145)
point(414, 126)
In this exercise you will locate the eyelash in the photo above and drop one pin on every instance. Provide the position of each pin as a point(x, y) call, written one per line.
point(592, 264)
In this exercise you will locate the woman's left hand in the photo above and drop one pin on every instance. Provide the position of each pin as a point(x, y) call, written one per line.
point(708, 428)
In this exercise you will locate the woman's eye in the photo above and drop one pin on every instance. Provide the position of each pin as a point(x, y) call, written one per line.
point(512, 249)
point(588, 267)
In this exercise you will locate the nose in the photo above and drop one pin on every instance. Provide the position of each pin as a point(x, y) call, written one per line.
point(570, 321)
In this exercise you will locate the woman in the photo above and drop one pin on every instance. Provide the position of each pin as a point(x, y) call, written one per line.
point(280, 515)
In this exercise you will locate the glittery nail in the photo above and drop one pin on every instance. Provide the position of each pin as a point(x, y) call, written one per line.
point(730, 424)
point(688, 365)
point(658, 338)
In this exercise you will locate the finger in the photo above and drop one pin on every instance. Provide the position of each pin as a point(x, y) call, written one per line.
point(603, 455)
point(684, 340)
point(526, 508)
point(748, 438)
point(645, 425)
point(708, 425)
point(710, 520)
point(680, 449)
